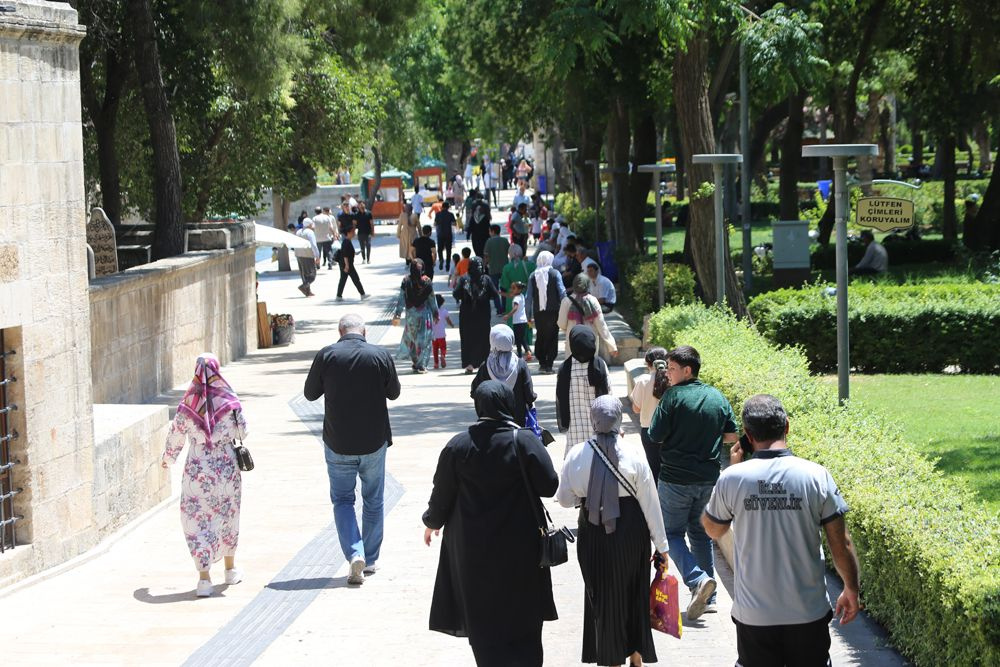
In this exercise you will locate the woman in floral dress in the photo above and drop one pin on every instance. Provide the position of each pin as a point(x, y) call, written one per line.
point(416, 294)
point(209, 418)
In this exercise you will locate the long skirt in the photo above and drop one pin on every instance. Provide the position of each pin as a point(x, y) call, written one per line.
point(616, 576)
point(474, 330)
point(417, 336)
point(546, 337)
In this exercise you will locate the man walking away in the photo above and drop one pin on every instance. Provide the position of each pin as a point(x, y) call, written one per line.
point(422, 248)
point(692, 422)
point(444, 222)
point(495, 249)
point(325, 233)
point(355, 379)
point(307, 258)
point(366, 230)
point(776, 504)
point(347, 267)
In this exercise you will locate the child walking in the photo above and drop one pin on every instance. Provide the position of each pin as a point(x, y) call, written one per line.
point(453, 273)
point(644, 402)
point(519, 319)
point(438, 331)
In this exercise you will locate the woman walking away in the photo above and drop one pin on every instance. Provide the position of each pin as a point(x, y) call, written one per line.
point(581, 307)
point(406, 232)
point(582, 378)
point(416, 294)
point(489, 587)
point(609, 479)
point(547, 293)
point(504, 366)
point(644, 402)
point(209, 418)
point(475, 295)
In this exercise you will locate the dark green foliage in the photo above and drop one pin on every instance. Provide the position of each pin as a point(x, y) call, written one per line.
point(901, 251)
point(894, 328)
point(929, 550)
point(642, 285)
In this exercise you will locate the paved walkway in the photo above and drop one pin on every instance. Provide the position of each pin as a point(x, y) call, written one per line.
point(131, 600)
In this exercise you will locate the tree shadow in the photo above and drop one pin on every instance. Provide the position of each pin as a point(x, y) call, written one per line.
point(143, 595)
point(309, 584)
point(974, 461)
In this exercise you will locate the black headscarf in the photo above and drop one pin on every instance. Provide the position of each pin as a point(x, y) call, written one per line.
point(494, 400)
point(416, 286)
point(476, 283)
point(583, 348)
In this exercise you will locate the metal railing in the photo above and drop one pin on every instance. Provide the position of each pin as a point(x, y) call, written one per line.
point(8, 537)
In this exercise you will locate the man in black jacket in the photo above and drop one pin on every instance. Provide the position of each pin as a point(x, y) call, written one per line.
point(355, 378)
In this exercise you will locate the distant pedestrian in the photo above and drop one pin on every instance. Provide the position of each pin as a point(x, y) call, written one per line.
point(307, 258)
point(440, 344)
point(518, 318)
point(423, 248)
point(346, 219)
point(479, 226)
point(355, 379)
point(693, 421)
point(444, 225)
point(778, 505)
point(366, 230)
point(416, 295)
point(326, 233)
point(496, 254)
point(547, 293)
point(504, 366)
point(406, 232)
point(608, 478)
point(644, 403)
point(516, 270)
point(582, 378)
point(580, 307)
point(875, 260)
point(476, 297)
point(489, 587)
point(347, 267)
point(453, 274)
point(209, 419)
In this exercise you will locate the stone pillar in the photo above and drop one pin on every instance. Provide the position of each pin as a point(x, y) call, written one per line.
point(44, 302)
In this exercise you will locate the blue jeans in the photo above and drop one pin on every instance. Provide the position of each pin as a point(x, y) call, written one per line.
point(682, 506)
point(344, 472)
point(498, 301)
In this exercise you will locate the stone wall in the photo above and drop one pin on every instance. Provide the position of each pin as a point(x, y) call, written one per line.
point(128, 478)
point(150, 323)
point(44, 304)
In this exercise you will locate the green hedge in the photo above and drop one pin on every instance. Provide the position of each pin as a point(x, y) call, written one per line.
point(929, 550)
point(901, 251)
point(894, 328)
point(641, 279)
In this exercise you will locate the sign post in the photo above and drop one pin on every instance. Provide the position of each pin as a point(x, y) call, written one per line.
point(656, 170)
point(840, 153)
point(884, 213)
point(718, 160)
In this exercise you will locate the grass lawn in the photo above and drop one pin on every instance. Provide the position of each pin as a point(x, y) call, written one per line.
point(952, 418)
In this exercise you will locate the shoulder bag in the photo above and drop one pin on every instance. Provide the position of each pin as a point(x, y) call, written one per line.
point(554, 544)
point(614, 470)
point(243, 459)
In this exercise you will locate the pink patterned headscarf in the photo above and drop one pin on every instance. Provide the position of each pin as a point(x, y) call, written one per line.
point(208, 388)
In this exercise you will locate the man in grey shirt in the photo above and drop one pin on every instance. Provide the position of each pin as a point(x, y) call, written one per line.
point(876, 259)
point(777, 503)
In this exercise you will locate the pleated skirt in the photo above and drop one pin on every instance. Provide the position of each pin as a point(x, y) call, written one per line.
point(616, 575)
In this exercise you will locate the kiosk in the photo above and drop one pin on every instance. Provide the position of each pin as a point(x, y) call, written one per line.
point(388, 202)
point(430, 173)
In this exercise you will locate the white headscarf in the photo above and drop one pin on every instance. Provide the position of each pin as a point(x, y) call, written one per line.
point(501, 363)
point(541, 276)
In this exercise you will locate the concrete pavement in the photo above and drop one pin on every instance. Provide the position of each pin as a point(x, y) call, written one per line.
point(131, 601)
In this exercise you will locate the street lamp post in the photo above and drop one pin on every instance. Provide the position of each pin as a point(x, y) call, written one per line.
point(571, 152)
point(840, 154)
point(656, 170)
point(718, 161)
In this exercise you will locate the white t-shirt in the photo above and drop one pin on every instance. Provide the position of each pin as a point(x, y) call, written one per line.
point(520, 315)
point(603, 288)
point(642, 395)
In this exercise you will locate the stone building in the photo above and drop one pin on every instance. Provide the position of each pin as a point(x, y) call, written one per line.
point(72, 472)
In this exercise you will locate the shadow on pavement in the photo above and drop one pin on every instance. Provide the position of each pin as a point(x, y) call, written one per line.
point(309, 584)
point(143, 595)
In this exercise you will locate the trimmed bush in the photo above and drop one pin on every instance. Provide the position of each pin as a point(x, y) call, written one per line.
point(929, 550)
point(642, 281)
point(901, 251)
point(894, 328)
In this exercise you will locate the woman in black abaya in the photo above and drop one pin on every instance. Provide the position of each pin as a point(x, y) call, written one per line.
point(489, 587)
point(475, 294)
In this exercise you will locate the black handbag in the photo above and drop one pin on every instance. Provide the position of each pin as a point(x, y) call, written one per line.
point(554, 544)
point(243, 459)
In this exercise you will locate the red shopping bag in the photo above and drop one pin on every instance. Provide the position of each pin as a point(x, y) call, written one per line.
point(664, 608)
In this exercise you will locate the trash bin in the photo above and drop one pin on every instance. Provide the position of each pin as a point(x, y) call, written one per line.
point(824, 189)
point(543, 184)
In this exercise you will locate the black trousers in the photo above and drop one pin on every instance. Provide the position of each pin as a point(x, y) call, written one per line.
point(799, 645)
point(444, 244)
point(365, 241)
point(353, 273)
point(519, 332)
point(546, 337)
point(326, 247)
point(521, 240)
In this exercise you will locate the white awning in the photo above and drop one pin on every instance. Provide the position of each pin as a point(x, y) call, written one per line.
point(276, 238)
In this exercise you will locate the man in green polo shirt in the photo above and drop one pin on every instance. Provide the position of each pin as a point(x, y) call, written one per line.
point(694, 424)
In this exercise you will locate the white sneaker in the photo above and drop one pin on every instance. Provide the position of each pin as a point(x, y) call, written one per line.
point(357, 576)
point(234, 576)
point(205, 588)
point(700, 598)
point(370, 569)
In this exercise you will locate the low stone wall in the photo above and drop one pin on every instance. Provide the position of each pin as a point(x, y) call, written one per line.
point(148, 324)
point(128, 478)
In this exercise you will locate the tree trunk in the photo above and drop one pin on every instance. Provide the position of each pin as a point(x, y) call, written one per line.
point(377, 180)
point(590, 149)
point(981, 134)
point(918, 150)
point(169, 217)
point(453, 154)
point(762, 127)
point(644, 148)
point(619, 139)
point(791, 157)
point(869, 129)
point(988, 218)
point(946, 158)
point(695, 124)
point(887, 122)
point(679, 160)
point(103, 115)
